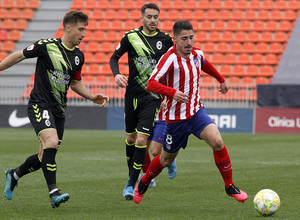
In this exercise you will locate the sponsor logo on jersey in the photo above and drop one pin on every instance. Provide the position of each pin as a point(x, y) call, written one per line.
point(30, 47)
point(77, 60)
point(159, 45)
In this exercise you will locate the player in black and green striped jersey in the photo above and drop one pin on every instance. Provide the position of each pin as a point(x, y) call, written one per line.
point(144, 45)
point(59, 64)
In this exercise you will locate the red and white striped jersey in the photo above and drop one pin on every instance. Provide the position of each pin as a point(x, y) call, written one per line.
point(161, 116)
point(178, 74)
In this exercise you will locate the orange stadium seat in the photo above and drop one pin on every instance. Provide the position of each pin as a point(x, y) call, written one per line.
point(247, 81)
point(258, 25)
point(294, 5)
point(229, 4)
point(214, 36)
point(199, 15)
point(122, 14)
point(90, 4)
point(216, 4)
point(261, 80)
point(34, 4)
point(20, 4)
point(103, 25)
point(267, 4)
point(265, 70)
point(238, 70)
point(77, 4)
point(227, 36)
point(241, 4)
point(167, 4)
point(211, 14)
point(105, 47)
point(261, 47)
point(178, 4)
point(250, 15)
point(115, 4)
point(225, 70)
point(230, 58)
point(233, 80)
point(7, 46)
point(263, 15)
point(257, 58)
point(222, 47)
point(270, 59)
point(271, 25)
point(27, 13)
point(110, 14)
point(116, 25)
point(14, 35)
point(232, 25)
point(190, 4)
point(243, 58)
point(266, 36)
point(240, 36)
point(100, 57)
point(285, 25)
point(217, 58)
point(245, 25)
point(195, 24)
point(135, 14)
point(289, 15)
point(3, 35)
point(186, 14)
point(93, 69)
point(88, 57)
point(253, 36)
point(7, 4)
point(21, 24)
point(204, 4)
point(237, 14)
point(92, 46)
point(280, 36)
point(98, 35)
point(280, 4)
point(97, 14)
point(248, 47)
point(252, 70)
point(129, 24)
point(255, 4)
point(275, 48)
point(14, 13)
point(219, 25)
point(224, 14)
point(103, 4)
point(3, 55)
point(275, 15)
point(173, 14)
point(235, 47)
point(206, 25)
point(112, 36)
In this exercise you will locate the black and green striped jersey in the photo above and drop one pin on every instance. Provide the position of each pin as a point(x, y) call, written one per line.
point(144, 52)
point(56, 66)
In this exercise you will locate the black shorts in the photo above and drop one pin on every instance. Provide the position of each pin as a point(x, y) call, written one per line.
point(42, 118)
point(140, 114)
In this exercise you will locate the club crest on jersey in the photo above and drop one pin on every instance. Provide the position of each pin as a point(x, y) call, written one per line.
point(159, 45)
point(77, 60)
point(196, 61)
point(30, 47)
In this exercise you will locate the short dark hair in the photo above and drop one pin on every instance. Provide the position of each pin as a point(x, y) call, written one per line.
point(181, 25)
point(73, 17)
point(149, 5)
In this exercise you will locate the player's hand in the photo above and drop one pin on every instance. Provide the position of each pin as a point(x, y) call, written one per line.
point(223, 88)
point(181, 97)
point(163, 104)
point(100, 99)
point(121, 80)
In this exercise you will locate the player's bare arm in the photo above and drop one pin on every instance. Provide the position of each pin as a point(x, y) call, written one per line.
point(79, 87)
point(121, 80)
point(11, 60)
point(223, 88)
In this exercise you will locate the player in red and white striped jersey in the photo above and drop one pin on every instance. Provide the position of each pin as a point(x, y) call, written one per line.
point(180, 71)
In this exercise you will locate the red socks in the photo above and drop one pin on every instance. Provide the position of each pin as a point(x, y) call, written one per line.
point(223, 163)
point(153, 171)
point(146, 162)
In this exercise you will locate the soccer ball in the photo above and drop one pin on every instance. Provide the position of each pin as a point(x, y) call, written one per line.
point(266, 202)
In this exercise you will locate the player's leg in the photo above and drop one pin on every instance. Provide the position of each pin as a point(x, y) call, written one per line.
point(211, 135)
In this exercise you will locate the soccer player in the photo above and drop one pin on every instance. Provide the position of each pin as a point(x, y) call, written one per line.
point(180, 69)
point(155, 142)
point(145, 45)
point(59, 64)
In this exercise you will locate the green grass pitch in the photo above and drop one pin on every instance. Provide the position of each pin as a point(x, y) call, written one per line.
point(93, 170)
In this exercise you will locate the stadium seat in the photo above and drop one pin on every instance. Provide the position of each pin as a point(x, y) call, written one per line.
point(261, 47)
point(178, 5)
point(195, 24)
point(199, 15)
point(93, 24)
point(105, 70)
point(214, 36)
point(211, 14)
point(227, 36)
point(270, 59)
point(248, 47)
point(90, 4)
point(267, 4)
point(285, 25)
point(222, 47)
point(105, 47)
point(230, 58)
point(100, 57)
point(257, 58)
point(255, 4)
point(217, 58)
point(235, 47)
point(21, 4)
point(206, 80)
point(103, 25)
point(233, 80)
point(243, 58)
point(261, 80)
point(92, 46)
point(289, 15)
point(14, 13)
point(216, 4)
point(167, 25)
point(116, 4)
point(97, 14)
point(204, 4)
point(206, 25)
point(3, 13)
point(263, 15)
point(266, 36)
point(240, 36)
point(275, 15)
point(237, 14)
point(167, 4)
point(129, 24)
point(201, 36)
point(117, 25)
point(88, 78)
point(229, 4)
point(135, 14)
point(219, 25)
point(173, 14)
point(294, 5)
point(258, 25)
point(98, 35)
point(20, 24)
point(110, 14)
point(186, 14)
point(8, 24)
point(7, 46)
point(232, 25)
point(33, 4)
point(27, 13)
point(224, 14)
point(93, 69)
point(3, 55)
point(190, 4)
point(88, 57)
point(245, 25)
point(238, 70)
point(271, 25)
point(280, 36)
point(280, 5)
point(275, 48)
point(112, 36)
point(253, 36)
point(7, 4)
point(265, 70)
point(251, 70)
point(225, 70)
point(241, 4)
point(14, 35)
point(3, 35)
point(241, 95)
point(250, 14)
point(209, 47)
point(103, 4)
point(247, 81)
point(77, 4)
